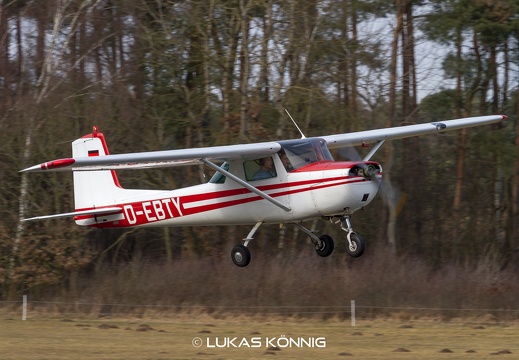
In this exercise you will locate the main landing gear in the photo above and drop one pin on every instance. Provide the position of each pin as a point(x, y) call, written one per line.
point(324, 244)
point(240, 254)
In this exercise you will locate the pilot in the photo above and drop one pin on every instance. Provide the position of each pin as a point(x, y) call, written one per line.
point(284, 159)
point(266, 169)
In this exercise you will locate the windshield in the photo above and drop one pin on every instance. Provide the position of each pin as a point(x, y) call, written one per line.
point(305, 151)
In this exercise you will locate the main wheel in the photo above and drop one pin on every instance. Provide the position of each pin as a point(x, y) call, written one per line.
point(326, 247)
point(357, 246)
point(240, 255)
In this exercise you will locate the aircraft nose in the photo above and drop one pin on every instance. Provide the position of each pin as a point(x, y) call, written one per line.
point(368, 171)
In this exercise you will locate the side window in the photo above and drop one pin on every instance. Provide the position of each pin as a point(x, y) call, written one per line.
point(219, 178)
point(259, 169)
point(285, 160)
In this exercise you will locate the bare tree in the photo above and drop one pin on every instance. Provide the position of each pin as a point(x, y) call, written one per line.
point(47, 82)
point(388, 190)
point(244, 66)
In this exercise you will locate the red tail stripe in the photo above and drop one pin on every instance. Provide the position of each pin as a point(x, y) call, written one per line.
point(100, 136)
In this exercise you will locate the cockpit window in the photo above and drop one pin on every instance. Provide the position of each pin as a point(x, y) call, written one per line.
point(260, 169)
point(306, 151)
point(219, 178)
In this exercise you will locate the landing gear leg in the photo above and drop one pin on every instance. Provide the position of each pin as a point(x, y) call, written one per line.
point(240, 254)
point(323, 244)
point(355, 246)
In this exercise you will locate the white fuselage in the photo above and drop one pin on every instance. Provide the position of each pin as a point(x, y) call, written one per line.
point(324, 188)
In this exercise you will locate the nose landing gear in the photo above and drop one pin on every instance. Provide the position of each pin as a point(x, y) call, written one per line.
point(356, 245)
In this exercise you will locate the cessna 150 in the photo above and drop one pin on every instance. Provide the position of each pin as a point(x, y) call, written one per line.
point(282, 182)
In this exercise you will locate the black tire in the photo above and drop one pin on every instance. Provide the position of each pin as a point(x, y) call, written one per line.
point(357, 245)
point(327, 246)
point(240, 255)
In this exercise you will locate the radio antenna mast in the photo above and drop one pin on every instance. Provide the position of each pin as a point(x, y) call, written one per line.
point(291, 118)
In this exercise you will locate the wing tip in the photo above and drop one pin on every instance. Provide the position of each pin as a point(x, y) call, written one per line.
point(50, 165)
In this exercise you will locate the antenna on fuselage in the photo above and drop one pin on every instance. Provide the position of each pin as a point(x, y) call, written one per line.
point(291, 118)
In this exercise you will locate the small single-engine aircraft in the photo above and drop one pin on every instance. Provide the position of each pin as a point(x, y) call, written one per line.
point(280, 182)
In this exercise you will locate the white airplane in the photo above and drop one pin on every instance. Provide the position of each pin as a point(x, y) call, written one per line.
point(278, 182)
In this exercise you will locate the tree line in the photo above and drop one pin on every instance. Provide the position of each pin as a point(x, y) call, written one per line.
point(158, 74)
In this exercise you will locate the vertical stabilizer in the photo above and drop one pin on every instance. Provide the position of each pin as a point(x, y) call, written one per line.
point(93, 189)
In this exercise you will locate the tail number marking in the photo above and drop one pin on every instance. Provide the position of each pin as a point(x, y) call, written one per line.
point(153, 210)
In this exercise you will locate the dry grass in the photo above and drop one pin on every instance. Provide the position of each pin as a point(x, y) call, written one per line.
point(405, 309)
point(304, 286)
point(173, 338)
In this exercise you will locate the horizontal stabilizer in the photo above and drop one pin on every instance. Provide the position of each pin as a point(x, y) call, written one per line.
point(102, 211)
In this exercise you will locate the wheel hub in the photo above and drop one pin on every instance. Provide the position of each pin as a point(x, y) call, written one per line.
point(238, 257)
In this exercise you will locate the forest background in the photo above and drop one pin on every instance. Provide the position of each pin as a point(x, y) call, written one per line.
point(157, 74)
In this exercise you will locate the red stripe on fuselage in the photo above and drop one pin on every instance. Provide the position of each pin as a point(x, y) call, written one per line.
point(330, 165)
point(220, 205)
point(240, 191)
point(144, 212)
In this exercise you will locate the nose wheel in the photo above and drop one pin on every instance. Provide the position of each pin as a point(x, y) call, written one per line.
point(355, 245)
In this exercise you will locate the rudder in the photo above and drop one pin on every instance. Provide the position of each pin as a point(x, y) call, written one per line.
point(93, 189)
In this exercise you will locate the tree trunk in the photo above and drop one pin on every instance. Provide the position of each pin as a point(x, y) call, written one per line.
point(4, 60)
point(285, 57)
point(462, 138)
point(244, 68)
point(263, 81)
point(388, 153)
point(411, 147)
point(344, 70)
point(514, 233)
point(353, 66)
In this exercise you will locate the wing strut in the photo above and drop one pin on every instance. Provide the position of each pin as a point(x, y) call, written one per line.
point(246, 185)
point(374, 150)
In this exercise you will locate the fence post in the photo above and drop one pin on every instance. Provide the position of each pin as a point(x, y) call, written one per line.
point(352, 312)
point(24, 307)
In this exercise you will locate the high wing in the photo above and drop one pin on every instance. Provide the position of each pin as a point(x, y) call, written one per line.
point(156, 159)
point(180, 157)
point(400, 132)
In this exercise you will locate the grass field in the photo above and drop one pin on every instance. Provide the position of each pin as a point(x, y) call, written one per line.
point(186, 337)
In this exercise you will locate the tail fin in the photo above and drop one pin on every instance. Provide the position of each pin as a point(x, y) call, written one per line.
point(98, 196)
point(93, 189)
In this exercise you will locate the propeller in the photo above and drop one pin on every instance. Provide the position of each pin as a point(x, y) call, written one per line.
point(393, 197)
